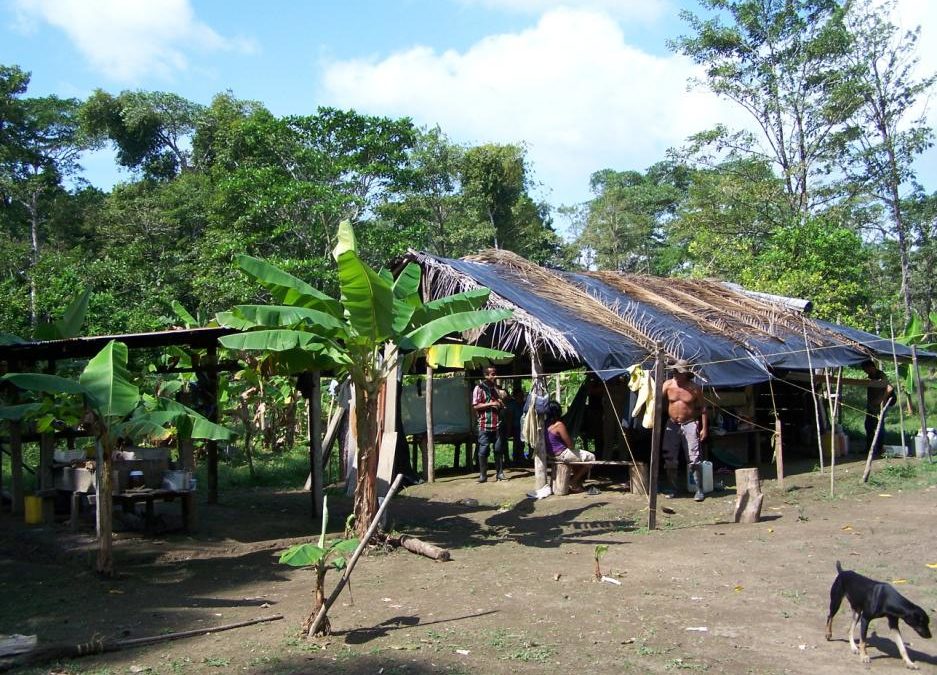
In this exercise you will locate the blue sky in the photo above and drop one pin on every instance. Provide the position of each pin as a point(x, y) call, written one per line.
point(586, 84)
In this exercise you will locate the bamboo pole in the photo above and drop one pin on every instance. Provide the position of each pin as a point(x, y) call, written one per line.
point(314, 426)
point(429, 464)
point(813, 394)
point(778, 441)
point(657, 437)
point(314, 627)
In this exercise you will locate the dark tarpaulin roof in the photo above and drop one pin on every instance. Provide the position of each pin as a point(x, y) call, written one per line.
point(722, 359)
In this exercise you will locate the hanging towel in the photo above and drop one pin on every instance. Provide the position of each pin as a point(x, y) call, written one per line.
point(642, 383)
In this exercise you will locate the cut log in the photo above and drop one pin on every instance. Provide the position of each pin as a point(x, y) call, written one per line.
point(415, 545)
point(561, 477)
point(640, 481)
point(748, 496)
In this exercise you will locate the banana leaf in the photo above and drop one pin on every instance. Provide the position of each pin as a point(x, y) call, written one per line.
point(367, 298)
point(281, 316)
point(403, 315)
point(181, 312)
point(464, 356)
point(107, 381)
point(451, 304)
point(45, 383)
point(19, 411)
point(407, 284)
point(270, 340)
point(202, 427)
point(429, 333)
point(287, 289)
point(302, 555)
point(70, 324)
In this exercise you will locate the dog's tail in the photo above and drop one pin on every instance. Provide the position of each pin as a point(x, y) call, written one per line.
point(839, 568)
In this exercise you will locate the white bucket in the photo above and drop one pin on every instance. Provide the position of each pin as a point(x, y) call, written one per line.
point(921, 445)
point(707, 478)
point(176, 480)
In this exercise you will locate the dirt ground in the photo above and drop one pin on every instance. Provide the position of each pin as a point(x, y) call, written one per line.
point(699, 594)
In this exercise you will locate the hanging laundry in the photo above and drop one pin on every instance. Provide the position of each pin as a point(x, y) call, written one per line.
point(642, 383)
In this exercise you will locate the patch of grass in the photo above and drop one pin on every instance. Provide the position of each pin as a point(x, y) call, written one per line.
point(681, 664)
point(793, 595)
point(216, 662)
point(519, 647)
point(180, 665)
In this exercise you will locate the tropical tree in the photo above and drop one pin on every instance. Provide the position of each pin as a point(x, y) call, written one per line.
point(113, 410)
point(781, 61)
point(310, 330)
point(889, 129)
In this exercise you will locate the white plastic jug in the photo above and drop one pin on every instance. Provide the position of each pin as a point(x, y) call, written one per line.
point(921, 445)
point(707, 478)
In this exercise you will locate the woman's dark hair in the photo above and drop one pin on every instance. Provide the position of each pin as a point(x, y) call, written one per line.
point(554, 412)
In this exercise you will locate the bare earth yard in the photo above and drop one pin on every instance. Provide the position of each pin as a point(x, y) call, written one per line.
point(700, 594)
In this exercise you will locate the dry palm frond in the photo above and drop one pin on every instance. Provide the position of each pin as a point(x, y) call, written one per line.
point(554, 287)
point(523, 329)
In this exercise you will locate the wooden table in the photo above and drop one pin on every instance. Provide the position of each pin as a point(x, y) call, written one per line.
point(128, 498)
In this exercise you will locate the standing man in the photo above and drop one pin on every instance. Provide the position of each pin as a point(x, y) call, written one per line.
point(488, 406)
point(687, 425)
point(879, 396)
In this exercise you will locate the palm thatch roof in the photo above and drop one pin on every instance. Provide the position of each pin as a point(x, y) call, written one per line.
point(608, 321)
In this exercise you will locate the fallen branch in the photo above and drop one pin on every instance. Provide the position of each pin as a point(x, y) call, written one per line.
point(414, 545)
point(98, 646)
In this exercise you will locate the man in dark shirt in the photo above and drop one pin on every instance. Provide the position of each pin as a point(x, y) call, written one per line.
point(488, 405)
point(879, 397)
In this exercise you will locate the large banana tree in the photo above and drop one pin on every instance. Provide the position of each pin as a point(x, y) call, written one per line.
point(377, 322)
point(114, 410)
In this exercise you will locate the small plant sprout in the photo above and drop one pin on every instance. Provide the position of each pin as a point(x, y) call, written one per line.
point(600, 550)
point(321, 557)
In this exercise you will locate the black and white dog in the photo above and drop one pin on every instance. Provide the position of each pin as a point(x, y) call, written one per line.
point(869, 600)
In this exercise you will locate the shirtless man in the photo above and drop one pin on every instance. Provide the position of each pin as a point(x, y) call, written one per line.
point(687, 425)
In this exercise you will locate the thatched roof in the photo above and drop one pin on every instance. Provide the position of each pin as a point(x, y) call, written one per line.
point(608, 320)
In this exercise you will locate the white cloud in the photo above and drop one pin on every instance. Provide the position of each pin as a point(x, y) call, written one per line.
point(570, 87)
point(130, 39)
point(629, 10)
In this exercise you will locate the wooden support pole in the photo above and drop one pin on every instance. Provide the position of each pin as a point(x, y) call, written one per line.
point(16, 468)
point(212, 446)
point(878, 431)
point(749, 497)
point(657, 438)
point(429, 458)
point(46, 454)
point(540, 451)
point(778, 438)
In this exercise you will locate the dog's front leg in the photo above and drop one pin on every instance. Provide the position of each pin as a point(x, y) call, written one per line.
point(863, 634)
point(896, 636)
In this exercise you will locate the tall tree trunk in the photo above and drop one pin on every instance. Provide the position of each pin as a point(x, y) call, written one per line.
point(33, 208)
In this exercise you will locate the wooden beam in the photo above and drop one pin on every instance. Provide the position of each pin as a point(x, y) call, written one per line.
point(920, 401)
point(657, 437)
point(429, 460)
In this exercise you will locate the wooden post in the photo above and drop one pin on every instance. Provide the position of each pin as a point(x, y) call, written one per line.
point(561, 478)
point(657, 437)
point(16, 468)
point(540, 456)
point(779, 450)
point(878, 431)
point(46, 453)
point(212, 446)
point(429, 457)
point(749, 497)
point(813, 392)
point(920, 401)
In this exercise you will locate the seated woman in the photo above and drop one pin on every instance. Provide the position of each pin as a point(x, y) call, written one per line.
point(560, 445)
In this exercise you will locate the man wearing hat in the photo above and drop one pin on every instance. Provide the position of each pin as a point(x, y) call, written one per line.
point(687, 425)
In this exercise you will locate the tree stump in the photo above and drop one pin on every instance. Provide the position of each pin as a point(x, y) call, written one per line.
point(561, 477)
point(640, 481)
point(748, 496)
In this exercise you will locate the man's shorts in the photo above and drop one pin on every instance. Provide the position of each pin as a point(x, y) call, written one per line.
point(678, 437)
point(575, 456)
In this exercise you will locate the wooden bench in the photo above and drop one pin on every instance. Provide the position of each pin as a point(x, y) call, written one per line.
point(128, 498)
point(562, 473)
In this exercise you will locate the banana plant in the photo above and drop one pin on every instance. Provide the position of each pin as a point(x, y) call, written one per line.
point(916, 333)
point(67, 326)
point(322, 558)
point(113, 410)
point(377, 323)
